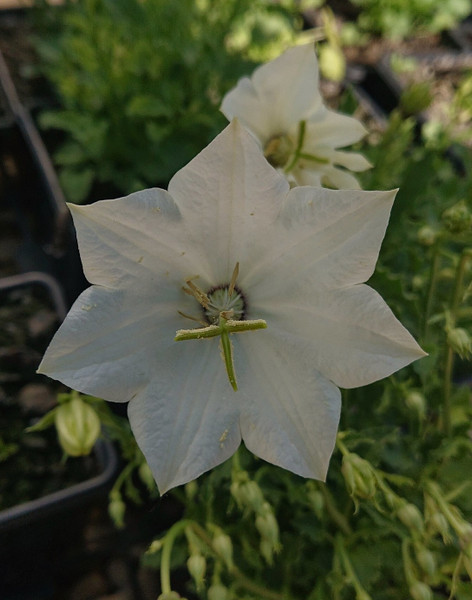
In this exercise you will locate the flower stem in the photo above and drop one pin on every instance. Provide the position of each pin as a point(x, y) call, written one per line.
point(449, 358)
point(433, 278)
point(168, 544)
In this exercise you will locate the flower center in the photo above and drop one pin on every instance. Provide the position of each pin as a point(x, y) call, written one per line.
point(283, 153)
point(224, 309)
point(278, 150)
point(222, 300)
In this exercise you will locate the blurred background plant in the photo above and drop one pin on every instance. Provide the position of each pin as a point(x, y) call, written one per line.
point(140, 83)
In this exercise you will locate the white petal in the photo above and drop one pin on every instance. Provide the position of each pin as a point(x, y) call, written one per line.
point(349, 335)
point(350, 160)
point(229, 196)
point(290, 412)
point(110, 341)
point(339, 179)
point(139, 238)
point(327, 239)
point(187, 420)
point(280, 94)
point(329, 129)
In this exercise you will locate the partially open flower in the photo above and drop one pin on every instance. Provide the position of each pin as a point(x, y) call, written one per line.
point(273, 278)
point(282, 106)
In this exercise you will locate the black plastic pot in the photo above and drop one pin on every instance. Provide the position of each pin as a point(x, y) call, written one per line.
point(42, 540)
point(32, 195)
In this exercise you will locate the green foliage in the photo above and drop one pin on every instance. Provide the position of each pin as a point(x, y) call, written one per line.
point(399, 19)
point(140, 83)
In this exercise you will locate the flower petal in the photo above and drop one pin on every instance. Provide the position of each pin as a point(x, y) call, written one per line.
point(350, 160)
point(187, 420)
point(279, 94)
point(329, 129)
point(109, 343)
point(327, 239)
point(350, 335)
point(136, 238)
point(290, 411)
point(339, 179)
point(229, 196)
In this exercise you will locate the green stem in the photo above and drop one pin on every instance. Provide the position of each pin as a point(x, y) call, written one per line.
point(338, 518)
point(352, 576)
point(433, 279)
point(449, 358)
point(298, 149)
point(168, 544)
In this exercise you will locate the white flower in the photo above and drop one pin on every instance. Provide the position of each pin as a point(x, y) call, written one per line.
point(155, 256)
point(282, 106)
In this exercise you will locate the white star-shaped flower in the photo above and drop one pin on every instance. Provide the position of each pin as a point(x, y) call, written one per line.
point(273, 276)
point(282, 106)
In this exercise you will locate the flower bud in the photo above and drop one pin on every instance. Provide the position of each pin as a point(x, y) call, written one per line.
point(316, 500)
point(117, 509)
point(191, 489)
point(196, 565)
point(416, 98)
point(267, 525)
point(417, 403)
point(426, 235)
point(460, 341)
point(223, 546)
point(155, 547)
point(438, 524)
point(170, 596)
point(332, 62)
point(410, 516)
point(457, 218)
point(426, 560)
point(77, 425)
point(146, 476)
point(217, 591)
point(420, 591)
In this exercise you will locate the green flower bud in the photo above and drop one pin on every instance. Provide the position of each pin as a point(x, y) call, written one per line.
point(332, 62)
point(117, 509)
point(155, 547)
point(426, 560)
point(417, 403)
point(191, 489)
point(223, 546)
point(438, 524)
point(267, 525)
point(460, 341)
point(420, 591)
point(416, 98)
point(267, 551)
point(426, 235)
point(146, 476)
point(410, 516)
point(170, 596)
point(316, 500)
point(457, 218)
point(359, 476)
point(77, 425)
point(217, 591)
point(196, 565)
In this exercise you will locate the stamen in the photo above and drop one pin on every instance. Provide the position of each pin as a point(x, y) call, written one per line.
point(197, 293)
point(182, 314)
point(233, 280)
